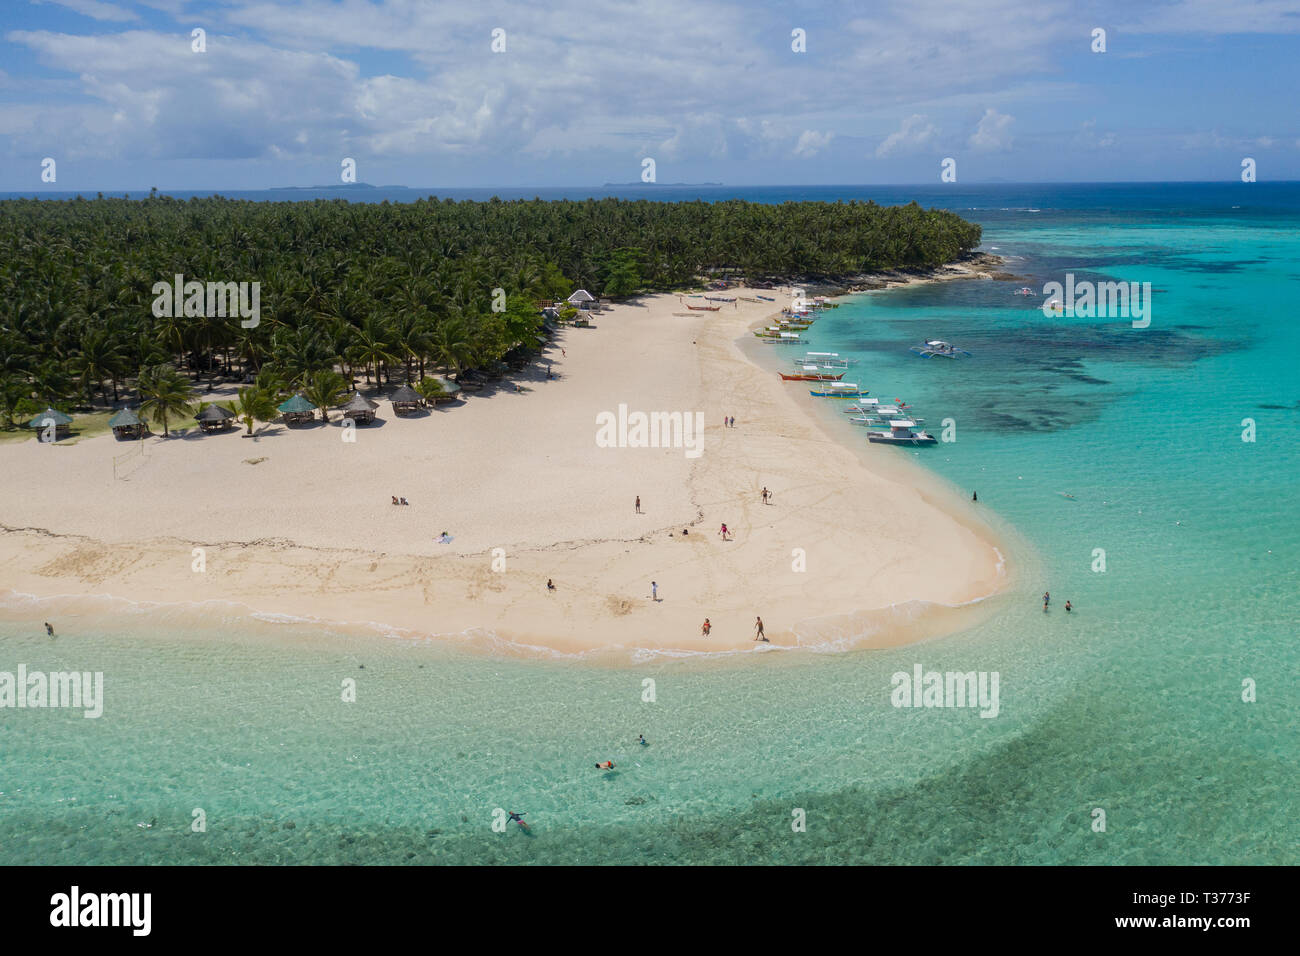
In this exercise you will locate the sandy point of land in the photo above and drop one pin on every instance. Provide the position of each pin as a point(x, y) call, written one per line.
point(299, 521)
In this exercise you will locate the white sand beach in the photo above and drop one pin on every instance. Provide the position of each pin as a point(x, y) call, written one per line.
point(297, 521)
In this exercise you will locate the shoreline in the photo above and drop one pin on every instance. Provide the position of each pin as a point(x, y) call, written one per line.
point(304, 565)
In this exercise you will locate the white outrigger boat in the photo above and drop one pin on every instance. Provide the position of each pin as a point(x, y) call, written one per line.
point(902, 431)
point(935, 347)
point(781, 338)
point(837, 390)
point(825, 360)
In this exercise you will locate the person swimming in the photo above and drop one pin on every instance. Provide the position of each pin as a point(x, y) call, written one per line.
point(517, 818)
point(607, 765)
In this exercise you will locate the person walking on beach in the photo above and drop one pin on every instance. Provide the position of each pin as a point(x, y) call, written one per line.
point(758, 631)
point(517, 818)
point(706, 628)
point(638, 504)
point(49, 628)
point(654, 591)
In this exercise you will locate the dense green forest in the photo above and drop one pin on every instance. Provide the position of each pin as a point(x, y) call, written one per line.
point(376, 292)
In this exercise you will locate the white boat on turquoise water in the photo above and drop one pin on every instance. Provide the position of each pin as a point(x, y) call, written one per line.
point(936, 348)
point(838, 390)
point(902, 431)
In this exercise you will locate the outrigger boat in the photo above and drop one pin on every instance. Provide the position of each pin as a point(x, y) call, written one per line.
point(718, 298)
point(901, 432)
point(838, 390)
point(702, 308)
point(825, 360)
point(935, 348)
point(811, 373)
point(783, 338)
point(765, 298)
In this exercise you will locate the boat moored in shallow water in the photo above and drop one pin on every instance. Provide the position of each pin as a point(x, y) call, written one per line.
point(902, 431)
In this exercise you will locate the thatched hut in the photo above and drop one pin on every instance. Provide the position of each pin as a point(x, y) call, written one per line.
point(448, 393)
point(360, 409)
point(406, 400)
point(126, 425)
point(52, 416)
point(297, 410)
point(215, 418)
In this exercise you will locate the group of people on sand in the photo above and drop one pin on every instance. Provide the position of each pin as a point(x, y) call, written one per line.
point(399, 501)
point(758, 630)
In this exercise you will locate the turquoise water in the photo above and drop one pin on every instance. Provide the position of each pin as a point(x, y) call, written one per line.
point(1131, 704)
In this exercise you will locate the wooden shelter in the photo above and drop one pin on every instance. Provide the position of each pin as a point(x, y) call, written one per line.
point(297, 410)
point(582, 300)
point(406, 400)
point(126, 424)
point(360, 409)
point(215, 418)
point(53, 416)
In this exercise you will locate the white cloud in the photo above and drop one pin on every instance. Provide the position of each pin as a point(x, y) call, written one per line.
point(811, 143)
point(914, 135)
point(993, 133)
point(96, 9)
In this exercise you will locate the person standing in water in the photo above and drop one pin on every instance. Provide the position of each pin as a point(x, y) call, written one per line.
point(49, 628)
point(1047, 599)
point(642, 741)
point(758, 631)
point(974, 496)
point(1068, 608)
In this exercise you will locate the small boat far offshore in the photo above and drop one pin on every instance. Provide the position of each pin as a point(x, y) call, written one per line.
point(938, 348)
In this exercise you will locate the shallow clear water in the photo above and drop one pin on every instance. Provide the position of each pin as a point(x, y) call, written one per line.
point(1132, 703)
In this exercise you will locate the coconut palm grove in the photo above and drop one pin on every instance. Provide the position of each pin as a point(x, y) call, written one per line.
point(373, 294)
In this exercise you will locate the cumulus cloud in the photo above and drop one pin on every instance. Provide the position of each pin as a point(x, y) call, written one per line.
point(811, 143)
point(992, 133)
point(914, 135)
point(96, 9)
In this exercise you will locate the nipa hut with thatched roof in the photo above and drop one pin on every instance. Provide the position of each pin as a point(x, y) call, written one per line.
point(406, 400)
point(52, 416)
point(360, 409)
point(126, 425)
point(297, 410)
point(215, 418)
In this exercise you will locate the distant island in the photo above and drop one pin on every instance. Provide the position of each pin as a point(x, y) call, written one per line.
point(336, 186)
point(639, 183)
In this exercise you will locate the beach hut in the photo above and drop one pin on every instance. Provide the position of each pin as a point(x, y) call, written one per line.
point(215, 418)
point(360, 409)
point(126, 424)
point(582, 299)
point(60, 421)
point(296, 410)
point(405, 399)
point(449, 391)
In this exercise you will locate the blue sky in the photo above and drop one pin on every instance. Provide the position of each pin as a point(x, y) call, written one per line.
point(586, 89)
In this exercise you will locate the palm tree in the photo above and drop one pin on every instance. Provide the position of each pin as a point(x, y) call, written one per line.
point(324, 390)
point(254, 405)
point(370, 346)
point(163, 392)
point(450, 345)
point(101, 357)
